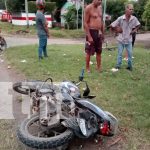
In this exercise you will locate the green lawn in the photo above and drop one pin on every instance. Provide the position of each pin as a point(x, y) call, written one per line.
point(125, 94)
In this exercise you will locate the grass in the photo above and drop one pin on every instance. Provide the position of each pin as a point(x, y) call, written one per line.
point(8, 28)
point(125, 94)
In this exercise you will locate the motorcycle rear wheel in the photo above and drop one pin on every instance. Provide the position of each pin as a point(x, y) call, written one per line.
point(43, 138)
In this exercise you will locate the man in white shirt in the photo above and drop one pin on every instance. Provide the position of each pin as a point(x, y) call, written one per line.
point(125, 26)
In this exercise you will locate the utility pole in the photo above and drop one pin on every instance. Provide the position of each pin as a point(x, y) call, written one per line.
point(104, 13)
point(77, 4)
point(82, 14)
point(6, 5)
point(26, 10)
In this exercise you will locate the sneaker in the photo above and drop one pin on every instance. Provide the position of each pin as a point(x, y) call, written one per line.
point(45, 55)
point(129, 68)
point(40, 57)
point(117, 67)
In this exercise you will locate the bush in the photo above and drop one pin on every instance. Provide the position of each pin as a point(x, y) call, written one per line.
point(71, 18)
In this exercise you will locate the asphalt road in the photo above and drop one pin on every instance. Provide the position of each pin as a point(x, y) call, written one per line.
point(18, 41)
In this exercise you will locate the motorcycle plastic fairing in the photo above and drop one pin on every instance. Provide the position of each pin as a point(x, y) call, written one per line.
point(73, 124)
point(98, 111)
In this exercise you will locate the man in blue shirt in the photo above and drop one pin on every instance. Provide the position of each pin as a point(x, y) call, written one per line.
point(42, 31)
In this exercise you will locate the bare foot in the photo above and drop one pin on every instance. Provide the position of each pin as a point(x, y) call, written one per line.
point(99, 70)
point(88, 70)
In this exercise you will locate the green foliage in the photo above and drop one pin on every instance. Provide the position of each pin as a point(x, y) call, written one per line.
point(146, 15)
point(32, 7)
point(50, 6)
point(15, 5)
point(71, 17)
point(2, 4)
point(115, 8)
point(139, 9)
point(88, 1)
point(59, 3)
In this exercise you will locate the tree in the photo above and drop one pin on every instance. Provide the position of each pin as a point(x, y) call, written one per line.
point(59, 4)
point(2, 4)
point(15, 5)
point(139, 9)
point(146, 14)
point(50, 6)
point(19, 5)
point(115, 8)
point(71, 18)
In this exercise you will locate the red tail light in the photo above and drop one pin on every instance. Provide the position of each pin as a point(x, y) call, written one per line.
point(104, 128)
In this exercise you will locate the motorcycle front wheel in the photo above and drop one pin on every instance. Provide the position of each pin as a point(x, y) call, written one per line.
point(21, 88)
point(32, 134)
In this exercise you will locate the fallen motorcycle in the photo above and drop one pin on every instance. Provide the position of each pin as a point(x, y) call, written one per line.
point(3, 44)
point(60, 113)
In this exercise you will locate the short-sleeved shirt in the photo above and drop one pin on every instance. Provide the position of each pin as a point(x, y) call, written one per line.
point(127, 26)
point(40, 23)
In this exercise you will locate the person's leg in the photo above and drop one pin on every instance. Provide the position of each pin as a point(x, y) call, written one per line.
point(119, 57)
point(45, 47)
point(98, 60)
point(133, 38)
point(98, 49)
point(129, 50)
point(133, 41)
point(87, 62)
point(40, 48)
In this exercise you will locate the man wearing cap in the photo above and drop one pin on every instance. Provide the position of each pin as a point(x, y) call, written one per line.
point(42, 29)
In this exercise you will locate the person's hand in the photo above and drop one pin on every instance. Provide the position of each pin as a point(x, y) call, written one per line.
point(90, 39)
point(103, 37)
point(118, 29)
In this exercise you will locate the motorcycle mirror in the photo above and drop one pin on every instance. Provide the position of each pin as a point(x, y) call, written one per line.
point(81, 75)
point(86, 91)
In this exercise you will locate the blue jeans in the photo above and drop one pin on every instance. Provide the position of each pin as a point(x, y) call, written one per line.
point(42, 45)
point(121, 47)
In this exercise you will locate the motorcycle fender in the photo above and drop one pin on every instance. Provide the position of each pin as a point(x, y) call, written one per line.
point(72, 124)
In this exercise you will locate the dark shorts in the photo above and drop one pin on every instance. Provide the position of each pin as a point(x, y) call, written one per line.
point(96, 46)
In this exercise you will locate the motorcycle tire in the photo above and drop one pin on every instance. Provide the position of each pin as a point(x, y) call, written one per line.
point(39, 142)
point(22, 89)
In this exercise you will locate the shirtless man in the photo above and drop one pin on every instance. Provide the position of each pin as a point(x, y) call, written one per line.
point(94, 29)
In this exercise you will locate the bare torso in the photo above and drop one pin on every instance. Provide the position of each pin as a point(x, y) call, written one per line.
point(94, 17)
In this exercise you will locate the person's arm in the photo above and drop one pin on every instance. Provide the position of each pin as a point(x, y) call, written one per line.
point(46, 28)
point(45, 25)
point(137, 26)
point(115, 26)
point(135, 29)
point(86, 23)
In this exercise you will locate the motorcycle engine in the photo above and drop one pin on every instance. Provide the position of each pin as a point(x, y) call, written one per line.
point(71, 89)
